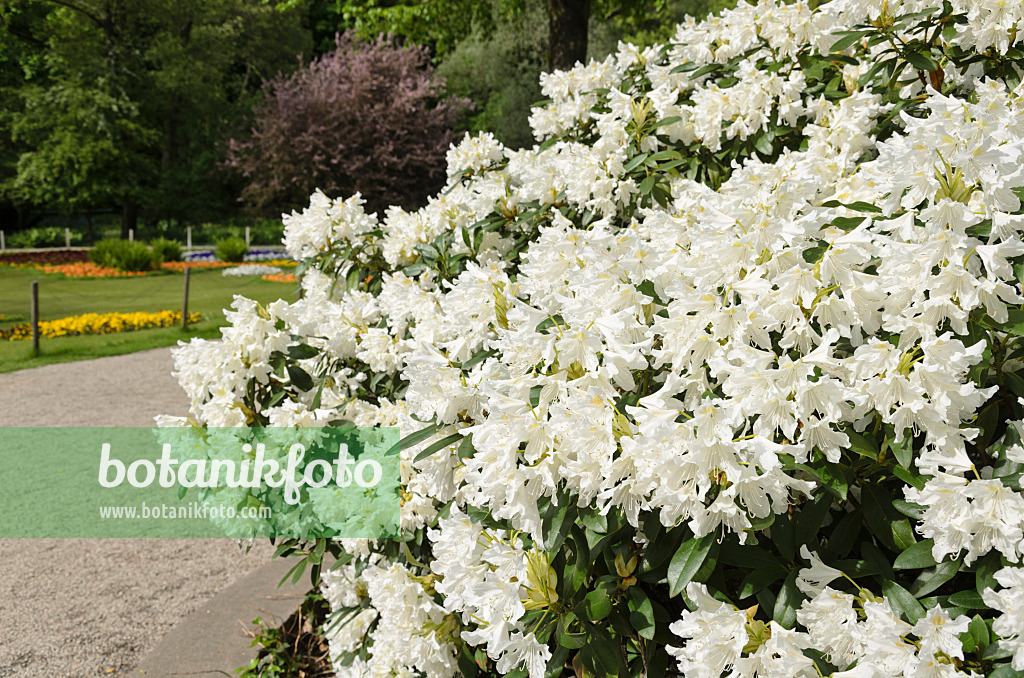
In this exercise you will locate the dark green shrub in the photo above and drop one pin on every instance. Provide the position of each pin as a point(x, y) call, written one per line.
point(166, 250)
point(231, 249)
point(107, 252)
point(136, 256)
point(124, 255)
point(50, 236)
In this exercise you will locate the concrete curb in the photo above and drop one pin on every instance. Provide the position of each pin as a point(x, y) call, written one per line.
point(214, 640)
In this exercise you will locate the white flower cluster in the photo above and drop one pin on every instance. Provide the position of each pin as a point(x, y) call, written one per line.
point(1010, 601)
point(246, 270)
point(681, 360)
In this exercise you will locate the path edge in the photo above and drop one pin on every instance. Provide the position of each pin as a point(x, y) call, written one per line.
point(215, 639)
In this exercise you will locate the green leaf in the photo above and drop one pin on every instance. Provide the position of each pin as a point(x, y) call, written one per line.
point(302, 352)
point(300, 378)
point(634, 163)
point(439, 445)
point(788, 601)
point(903, 534)
point(849, 38)
point(917, 557)
point(979, 632)
point(414, 438)
point(968, 599)
point(647, 184)
point(985, 575)
point(920, 61)
point(903, 451)
point(567, 638)
point(902, 601)
point(859, 206)
point(686, 561)
point(758, 579)
point(909, 477)
point(641, 613)
point(930, 580)
point(996, 651)
point(597, 605)
point(865, 447)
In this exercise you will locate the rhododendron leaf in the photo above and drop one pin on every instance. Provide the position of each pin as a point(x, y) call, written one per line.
point(921, 61)
point(598, 604)
point(787, 602)
point(1006, 671)
point(909, 477)
point(932, 579)
point(758, 579)
point(438, 446)
point(918, 556)
point(970, 600)
point(903, 450)
point(903, 534)
point(415, 438)
point(302, 351)
point(909, 509)
point(862, 445)
point(902, 601)
point(300, 378)
point(641, 616)
point(843, 537)
point(634, 163)
point(686, 561)
point(848, 38)
point(996, 651)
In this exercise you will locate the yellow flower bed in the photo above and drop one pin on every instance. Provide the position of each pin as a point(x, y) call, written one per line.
point(98, 323)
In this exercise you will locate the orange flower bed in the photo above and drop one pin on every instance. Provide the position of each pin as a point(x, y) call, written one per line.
point(86, 269)
point(182, 265)
point(280, 277)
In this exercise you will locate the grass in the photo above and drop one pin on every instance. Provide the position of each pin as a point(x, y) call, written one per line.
point(209, 293)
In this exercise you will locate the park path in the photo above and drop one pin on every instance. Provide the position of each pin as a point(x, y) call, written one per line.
point(74, 608)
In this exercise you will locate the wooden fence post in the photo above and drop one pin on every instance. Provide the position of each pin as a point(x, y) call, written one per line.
point(184, 305)
point(35, 317)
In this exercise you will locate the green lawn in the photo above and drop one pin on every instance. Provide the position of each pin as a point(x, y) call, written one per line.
point(60, 297)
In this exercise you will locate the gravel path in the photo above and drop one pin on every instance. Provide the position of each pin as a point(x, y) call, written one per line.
point(72, 608)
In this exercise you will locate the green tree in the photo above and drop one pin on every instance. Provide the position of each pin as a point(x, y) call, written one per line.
point(133, 98)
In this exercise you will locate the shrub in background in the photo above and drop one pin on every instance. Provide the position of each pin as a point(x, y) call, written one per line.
point(366, 118)
point(124, 255)
point(231, 249)
point(136, 256)
point(107, 252)
point(166, 250)
point(49, 236)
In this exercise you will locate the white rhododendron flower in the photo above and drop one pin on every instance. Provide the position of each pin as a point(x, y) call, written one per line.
point(723, 376)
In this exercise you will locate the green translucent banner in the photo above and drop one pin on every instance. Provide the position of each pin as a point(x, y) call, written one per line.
point(199, 482)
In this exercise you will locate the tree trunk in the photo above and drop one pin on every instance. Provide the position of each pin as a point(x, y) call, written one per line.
point(129, 220)
point(88, 225)
point(567, 41)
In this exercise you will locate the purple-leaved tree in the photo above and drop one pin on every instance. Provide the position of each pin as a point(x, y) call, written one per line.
point(369, 117)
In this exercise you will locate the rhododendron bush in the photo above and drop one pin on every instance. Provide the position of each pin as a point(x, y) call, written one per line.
point(722, 378)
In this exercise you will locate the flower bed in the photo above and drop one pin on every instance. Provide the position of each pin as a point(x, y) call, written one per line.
point(259, 254)
point(281, 277)
point(182, 265)
point(97, 323)
point(50, 257)
point(251, 269)
point(87, 269)
point(722, 378)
